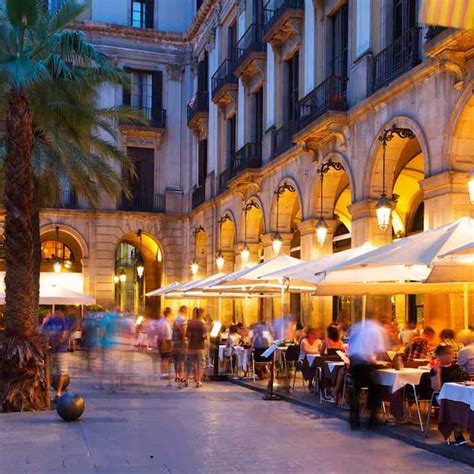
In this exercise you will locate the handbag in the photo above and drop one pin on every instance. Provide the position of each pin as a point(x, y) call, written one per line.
point(166, 346)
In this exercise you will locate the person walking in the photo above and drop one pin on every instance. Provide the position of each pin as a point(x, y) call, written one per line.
point(196, 334)
point(367, 339)
point(165, 343)
point(180, 345)
point(57, 330)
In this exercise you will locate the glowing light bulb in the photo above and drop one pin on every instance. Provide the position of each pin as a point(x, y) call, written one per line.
point(321, 231)
point(383, 210)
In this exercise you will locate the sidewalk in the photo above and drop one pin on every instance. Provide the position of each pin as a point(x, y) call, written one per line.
point(407, 433)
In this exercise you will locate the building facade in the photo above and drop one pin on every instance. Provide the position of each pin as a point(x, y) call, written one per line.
point(247, 100)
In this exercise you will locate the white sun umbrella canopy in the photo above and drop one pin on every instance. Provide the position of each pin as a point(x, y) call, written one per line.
point(409, 259)
point(312, 271)
point(57, 295)
point(163, 291)
point(184, 286)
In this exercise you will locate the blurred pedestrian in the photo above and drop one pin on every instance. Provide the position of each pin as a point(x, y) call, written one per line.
point(196, 334)
point(57, 331)
point(366, 341)
point(165, 344)
point(180, 346)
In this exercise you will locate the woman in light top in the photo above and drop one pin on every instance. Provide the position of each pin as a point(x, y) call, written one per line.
point(310, 345)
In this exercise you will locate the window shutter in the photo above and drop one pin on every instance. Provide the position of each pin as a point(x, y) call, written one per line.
point(157, 95)
point(149, 14)
point(126, 96)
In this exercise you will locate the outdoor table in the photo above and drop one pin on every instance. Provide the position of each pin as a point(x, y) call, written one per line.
point(311, 358)
point(242, 356)
point(391, 383)
point(456, 408)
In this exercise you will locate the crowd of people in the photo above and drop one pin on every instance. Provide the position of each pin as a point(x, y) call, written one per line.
point(180, 349)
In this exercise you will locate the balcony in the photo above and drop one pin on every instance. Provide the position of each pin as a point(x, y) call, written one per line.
point(67, 200)
point(282, 139)
point(248, 157)
point(143, 203)
point(155, 117)
point(198, 111)
point(401, 56)
point(199, 195)
point(283, 21)
point(251, 54)
point(224, 84)
point(434, 31)
point(330, 95)
point(222, 181)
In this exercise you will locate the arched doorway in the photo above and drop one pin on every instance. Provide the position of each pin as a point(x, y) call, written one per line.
point(138, 269)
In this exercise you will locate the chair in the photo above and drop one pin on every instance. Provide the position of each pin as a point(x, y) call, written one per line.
point(291, 359)
point(258, 360)
point(432, 405)
point(420, 393)
point(348, 384)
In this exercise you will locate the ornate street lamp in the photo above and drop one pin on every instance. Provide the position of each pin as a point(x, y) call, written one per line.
point(471, 186)
point(116, 279)
point(277, 241)
point(123, 276)
point(140, 267)
point(220, 261)
point(321, 226)
point(385, 205)
point(245, 252)
point(194, 263)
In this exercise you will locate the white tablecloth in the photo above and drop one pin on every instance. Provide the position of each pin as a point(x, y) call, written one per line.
point(311, 358)
point(331, 365)
point(397, 379)
point(456, 392)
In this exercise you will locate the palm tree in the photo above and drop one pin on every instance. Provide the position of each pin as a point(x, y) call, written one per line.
point(37, 53)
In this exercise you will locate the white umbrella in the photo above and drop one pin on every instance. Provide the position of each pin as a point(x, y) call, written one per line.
point(163, 291)
point(56, 295)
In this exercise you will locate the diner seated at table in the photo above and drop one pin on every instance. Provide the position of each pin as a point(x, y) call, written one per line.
point(311, 344)
point(422, 346)
point(332, 341)
point(261, 341)
point(466, 354)
point(446, 371)
point(233, 340)
point(447, 338)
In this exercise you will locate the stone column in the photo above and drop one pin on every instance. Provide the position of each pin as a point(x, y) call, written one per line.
point(446, 199)
point(316, 310)
point(365, 229)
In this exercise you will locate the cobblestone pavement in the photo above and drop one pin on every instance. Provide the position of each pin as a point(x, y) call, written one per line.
point(215, 429)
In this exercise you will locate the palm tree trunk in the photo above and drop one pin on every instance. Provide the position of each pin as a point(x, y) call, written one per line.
point(21, 354)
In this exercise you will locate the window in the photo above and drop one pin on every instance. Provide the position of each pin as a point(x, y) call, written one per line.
point(146, 93)
point(231, 42)
point(404, 17)
point(203, 73)
point(340, 38)
point(202, 162)
point(258, 116)
point(142, 186)
point(293, 87)
point(142, 13)
point(53, 250)
point(231, 139)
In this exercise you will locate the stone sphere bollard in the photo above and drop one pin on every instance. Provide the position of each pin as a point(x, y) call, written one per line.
point(54, 382)
point(70, 406)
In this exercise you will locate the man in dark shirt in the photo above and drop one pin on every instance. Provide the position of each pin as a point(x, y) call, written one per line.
point(421, 347)
point(196, 334)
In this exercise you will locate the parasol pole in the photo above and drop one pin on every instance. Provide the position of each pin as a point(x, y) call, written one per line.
point(364, 307)
point(466, 305)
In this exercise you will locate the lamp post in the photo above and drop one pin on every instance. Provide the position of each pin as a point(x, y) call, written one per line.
point(385, 205)
point(140, 267)
point(220, 261)
point(277, 241)
point(245, 252)
point(321, 226)
point(194, 263)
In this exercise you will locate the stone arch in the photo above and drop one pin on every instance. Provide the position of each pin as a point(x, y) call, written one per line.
point(290, 207)
point(227, 232)
point(256, 222)
point(68, 230)
point(371, 182)
point(200, 247)
point(458, 147)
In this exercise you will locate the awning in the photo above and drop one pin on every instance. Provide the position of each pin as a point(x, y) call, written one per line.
point(57, 295)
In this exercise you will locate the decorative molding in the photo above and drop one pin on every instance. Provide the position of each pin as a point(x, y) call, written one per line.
point(141, 138)
point(175, 72)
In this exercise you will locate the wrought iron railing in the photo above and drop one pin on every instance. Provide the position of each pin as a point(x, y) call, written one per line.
point(67, 200)
point(199, 103)
point(282, 138)
point(223, 75)
point(274, 9)
point(329, 95)
point(249, 156)
point(223, 180)
point(251, 41)
point(433, 31)
point(399, 57)
point(156, 117)
point(199, 195)
point(143, 203)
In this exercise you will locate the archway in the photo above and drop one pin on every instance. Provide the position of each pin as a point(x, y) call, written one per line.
point(226, 244)
point(200, 249)
point(405, 168)
point(138, 269)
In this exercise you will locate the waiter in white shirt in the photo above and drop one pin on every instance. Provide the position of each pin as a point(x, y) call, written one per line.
point(367, 339)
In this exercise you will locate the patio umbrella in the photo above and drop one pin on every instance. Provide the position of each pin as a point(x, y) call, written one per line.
point(163, 291)
point(57, 295)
